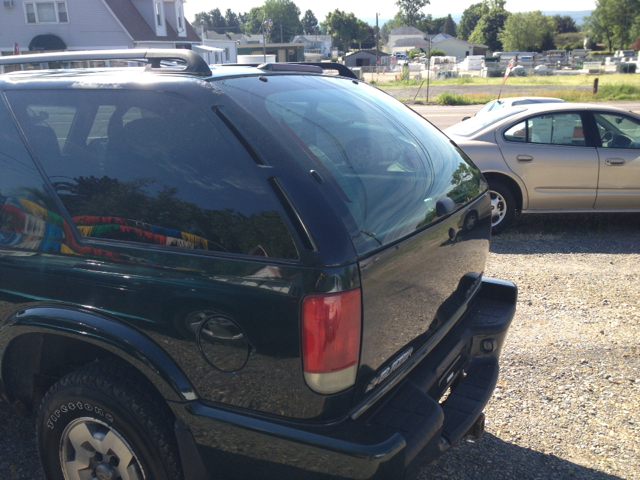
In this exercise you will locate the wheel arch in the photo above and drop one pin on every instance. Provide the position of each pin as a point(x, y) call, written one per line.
point(40, 345)
point(510, 183)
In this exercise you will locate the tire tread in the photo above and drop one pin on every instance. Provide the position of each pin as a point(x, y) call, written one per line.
point(133, 392)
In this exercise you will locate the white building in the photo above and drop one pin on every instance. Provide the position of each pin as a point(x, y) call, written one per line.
point(37, 26)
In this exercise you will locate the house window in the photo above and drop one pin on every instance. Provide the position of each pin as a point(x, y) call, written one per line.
point(46, 12)
point(158, 14)
point(180, 18)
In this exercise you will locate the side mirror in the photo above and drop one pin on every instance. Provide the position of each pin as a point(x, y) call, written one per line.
point(465, 118)
point(444, 206)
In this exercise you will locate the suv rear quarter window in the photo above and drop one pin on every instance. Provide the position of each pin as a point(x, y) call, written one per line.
point(388, 166)
point(151, 167)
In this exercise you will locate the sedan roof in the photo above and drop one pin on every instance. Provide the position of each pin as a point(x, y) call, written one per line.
point(477, 125)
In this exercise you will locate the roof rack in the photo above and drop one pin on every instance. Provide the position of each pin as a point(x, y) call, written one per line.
point(192, 63)
point(306, 67)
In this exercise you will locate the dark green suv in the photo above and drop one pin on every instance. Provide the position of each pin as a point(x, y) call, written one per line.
point(238, 272)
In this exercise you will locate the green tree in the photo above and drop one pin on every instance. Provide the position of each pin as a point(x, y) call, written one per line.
point(362, 32)
point(345, 28)
point(309, 23)
point(565, 24)
point(614, 22)
point(470, 19)
point(438, 25)
point(285, 16)
point(411, 10)
point(624, 14)
point(211, 20)
point(526, 31)
point(231, 18)
point(253, 22)
point(449, 26)
point(490, 25)
point(217, 19)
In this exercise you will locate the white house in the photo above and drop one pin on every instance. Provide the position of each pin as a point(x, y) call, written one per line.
point(401, 33)
point(452, 46)
point(36, 26)
point(315, 44)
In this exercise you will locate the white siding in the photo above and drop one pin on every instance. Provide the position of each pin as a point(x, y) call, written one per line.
point(91, 26)
point(454, 48)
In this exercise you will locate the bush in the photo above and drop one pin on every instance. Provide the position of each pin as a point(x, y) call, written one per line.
point(635, 46)
point(414, 52)
point(438, 53)
point(569, 41)
point(448, 98)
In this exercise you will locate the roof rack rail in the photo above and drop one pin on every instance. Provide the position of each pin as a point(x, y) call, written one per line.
point(311, 67)
point(193, 63)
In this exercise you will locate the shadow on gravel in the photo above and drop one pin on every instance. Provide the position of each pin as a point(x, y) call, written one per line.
point(491, 458)
point(570, 233)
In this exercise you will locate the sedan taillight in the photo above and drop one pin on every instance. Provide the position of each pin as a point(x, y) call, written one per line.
point(331, 328)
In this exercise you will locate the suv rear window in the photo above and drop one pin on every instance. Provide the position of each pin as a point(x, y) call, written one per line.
point(388, 165)
point(151, 167)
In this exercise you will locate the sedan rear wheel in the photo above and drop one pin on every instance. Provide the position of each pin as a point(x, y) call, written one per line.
point(502, 206)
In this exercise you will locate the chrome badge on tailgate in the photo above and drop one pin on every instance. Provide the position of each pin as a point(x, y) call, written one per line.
point(384, 374)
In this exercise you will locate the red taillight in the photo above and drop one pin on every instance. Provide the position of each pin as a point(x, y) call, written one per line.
point(331, 325)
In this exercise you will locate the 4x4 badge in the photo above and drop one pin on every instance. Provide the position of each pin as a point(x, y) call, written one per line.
point(384, 374)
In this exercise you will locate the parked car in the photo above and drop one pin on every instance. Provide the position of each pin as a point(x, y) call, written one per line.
point(238, 272)
point(555, 157)
point(513, 102)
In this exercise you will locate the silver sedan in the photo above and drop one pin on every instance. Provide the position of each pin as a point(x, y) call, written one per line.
point(552, 158)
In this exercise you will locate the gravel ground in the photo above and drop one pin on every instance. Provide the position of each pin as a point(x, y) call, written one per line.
point(568, 398)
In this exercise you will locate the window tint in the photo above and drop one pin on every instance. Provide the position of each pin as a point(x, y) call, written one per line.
point(151, 167)
point(30, 220)
point(555, 129)
point(388, 166)
point(618, 131)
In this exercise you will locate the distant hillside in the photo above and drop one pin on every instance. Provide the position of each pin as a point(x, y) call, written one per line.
point(576, 15)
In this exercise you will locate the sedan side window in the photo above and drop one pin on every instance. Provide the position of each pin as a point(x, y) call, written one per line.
point(618, 131)
point(557, 129)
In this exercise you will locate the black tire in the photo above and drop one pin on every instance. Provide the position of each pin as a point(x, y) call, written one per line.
point(106, 408)
point(503, 206)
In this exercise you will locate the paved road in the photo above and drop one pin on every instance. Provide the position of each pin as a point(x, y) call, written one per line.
point(445, 116)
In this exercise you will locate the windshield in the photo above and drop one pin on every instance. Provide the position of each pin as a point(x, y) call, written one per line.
point(387, 164)
point(479, 122)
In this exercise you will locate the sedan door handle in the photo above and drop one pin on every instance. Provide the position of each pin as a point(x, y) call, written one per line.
point(614, 162)
point(524, 158)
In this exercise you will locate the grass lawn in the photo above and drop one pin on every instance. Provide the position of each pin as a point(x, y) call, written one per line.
point(614, 86)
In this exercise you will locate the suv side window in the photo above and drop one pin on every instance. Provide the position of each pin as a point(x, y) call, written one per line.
point(151, 167)
point(29, 216)
point(388, 166)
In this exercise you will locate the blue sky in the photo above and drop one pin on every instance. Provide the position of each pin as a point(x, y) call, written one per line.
point(386, 9)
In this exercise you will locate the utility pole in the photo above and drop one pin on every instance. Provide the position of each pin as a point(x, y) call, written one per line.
point(428, 70)
point(377, 41)
point(264, 37)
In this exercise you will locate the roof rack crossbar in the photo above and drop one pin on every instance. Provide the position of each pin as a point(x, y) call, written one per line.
point(193, 63)
point(342, 70)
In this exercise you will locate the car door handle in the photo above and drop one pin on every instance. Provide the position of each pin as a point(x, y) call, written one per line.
point(524, 158)
point(614, 162)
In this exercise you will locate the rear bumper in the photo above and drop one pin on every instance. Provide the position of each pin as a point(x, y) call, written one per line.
point(401, 432)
